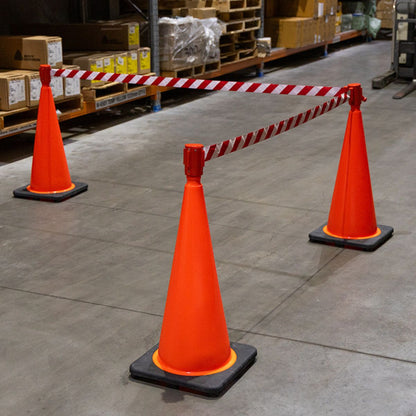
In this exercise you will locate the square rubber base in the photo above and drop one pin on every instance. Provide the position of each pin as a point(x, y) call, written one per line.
point(367, 244)
point(213, 385)
point(56, 197)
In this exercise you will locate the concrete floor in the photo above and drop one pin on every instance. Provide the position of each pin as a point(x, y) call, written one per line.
point(83, 283)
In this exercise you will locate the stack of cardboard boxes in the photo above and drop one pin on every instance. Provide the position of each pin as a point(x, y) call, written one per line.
point(20, 58)
point(385, 13)
point(297, 23)
point(105, 47)
point(110, 46)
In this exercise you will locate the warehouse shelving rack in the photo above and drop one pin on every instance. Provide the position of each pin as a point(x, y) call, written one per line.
point(153, 92)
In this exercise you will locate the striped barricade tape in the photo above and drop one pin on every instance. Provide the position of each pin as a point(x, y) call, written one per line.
point(241, 142)
point(203, 84)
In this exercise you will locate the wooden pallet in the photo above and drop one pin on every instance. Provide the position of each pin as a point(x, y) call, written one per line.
point(238, 46)
point(129, 93)
point(192, 71)
point(247, 54)
point(184, 72)
point(238, 26)
point(212, 67)
point(237, 15)
point(235, 5)
point(229, 57)
point(15, 121)
point(94, 93)
point(239, 56)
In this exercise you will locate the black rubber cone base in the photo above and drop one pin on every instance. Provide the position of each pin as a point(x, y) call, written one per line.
point(213, 385)
point(56, 197)
point(367, 244)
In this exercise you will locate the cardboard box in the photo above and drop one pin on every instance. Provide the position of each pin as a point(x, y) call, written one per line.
point(12, 91)
point(29, 52)
point(302, 8)
point(109, 35)
point(92, 62)
point(72, 86)
point(120, 60)
point(182, 43)
point(330, 7)
point(144, 62)
point(132, 62)
point(109, 62)
point(33, 87)
point(319, 32)
point(295, 32)
point(329, 27)
point(385, 5)
point(387, 23)
point(57, 87)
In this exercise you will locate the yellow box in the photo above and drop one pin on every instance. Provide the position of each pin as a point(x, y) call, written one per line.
point(109, 65)
point(93, 63)
point(132, 62)
point(144, 61)
point(120, 59)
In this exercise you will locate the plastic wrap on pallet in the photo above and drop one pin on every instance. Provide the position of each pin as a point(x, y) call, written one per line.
point(188, 41)
point(358, 21)
point(374, 25)
point(213, 32)
point(346, 22)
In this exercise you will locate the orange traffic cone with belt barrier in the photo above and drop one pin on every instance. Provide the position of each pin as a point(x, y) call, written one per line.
point(352, 219)
point(194, 351)
point(50, 179)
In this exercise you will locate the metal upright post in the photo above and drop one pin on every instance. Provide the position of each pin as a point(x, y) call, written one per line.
point(260, 34)
point(154, 47)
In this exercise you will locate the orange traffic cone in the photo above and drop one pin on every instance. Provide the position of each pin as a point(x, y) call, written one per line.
point(194, 352)
point(352, 219)
point(50, 179)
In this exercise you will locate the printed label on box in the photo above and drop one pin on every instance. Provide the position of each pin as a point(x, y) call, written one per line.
point(97, 67)
point(320, 9)
point(72, 87)
point(17, 92)
point(132, 67)
point(35, 87)
point(108, 63)
point(121, 66)
point(57, 86)
point(54, 53)
point(144, 60)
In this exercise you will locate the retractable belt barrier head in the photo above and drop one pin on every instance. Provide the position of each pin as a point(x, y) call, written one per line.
point(339, 95)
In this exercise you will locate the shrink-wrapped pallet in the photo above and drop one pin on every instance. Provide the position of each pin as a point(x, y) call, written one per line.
point(187, 41)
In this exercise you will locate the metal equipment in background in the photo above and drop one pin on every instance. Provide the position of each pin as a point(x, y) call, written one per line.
point(403, 59)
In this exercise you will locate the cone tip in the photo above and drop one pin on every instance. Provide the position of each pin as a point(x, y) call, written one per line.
point(194, 159)
point(45, 75)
